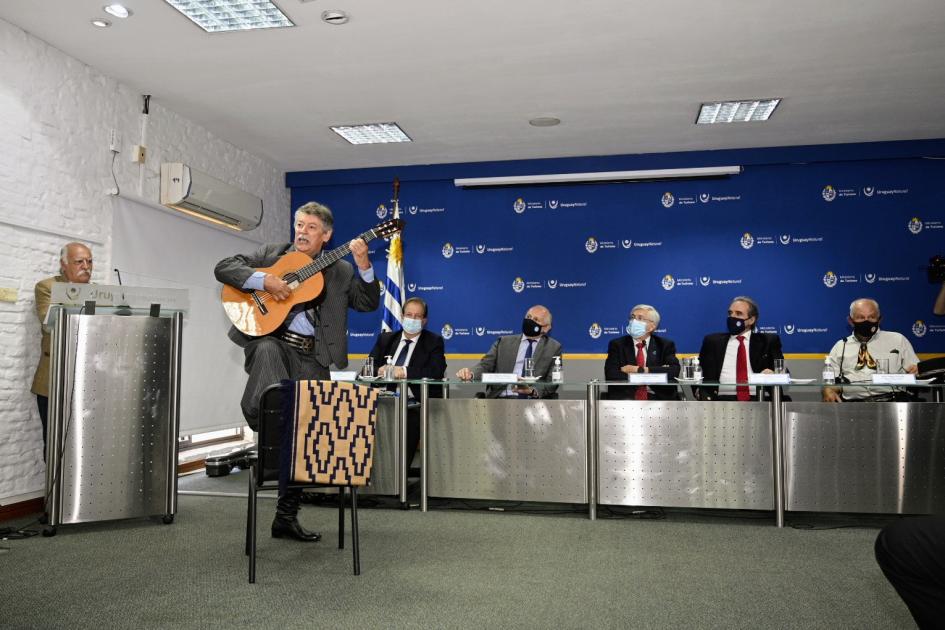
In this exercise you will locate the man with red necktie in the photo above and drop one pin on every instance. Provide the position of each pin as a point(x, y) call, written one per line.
point(731, 356)
point(641, 351)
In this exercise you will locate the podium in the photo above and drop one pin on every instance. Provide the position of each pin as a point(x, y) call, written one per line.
point(114, 408)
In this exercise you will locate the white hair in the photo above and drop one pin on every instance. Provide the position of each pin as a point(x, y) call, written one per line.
point(864, 301)
point(652, 313)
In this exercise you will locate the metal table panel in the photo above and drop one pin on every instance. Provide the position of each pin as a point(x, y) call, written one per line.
point(685, 454)
point(865, 457)
point(515, 450)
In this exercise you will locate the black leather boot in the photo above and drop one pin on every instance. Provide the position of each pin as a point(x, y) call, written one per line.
point(286, 524)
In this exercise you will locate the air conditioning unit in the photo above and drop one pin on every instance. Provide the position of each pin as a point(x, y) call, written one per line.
point(188, 190)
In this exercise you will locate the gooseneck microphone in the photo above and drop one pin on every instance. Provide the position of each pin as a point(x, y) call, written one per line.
point(119, 275)
point(840, 379)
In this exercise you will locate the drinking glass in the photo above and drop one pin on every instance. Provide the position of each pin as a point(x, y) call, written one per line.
point(367, 370)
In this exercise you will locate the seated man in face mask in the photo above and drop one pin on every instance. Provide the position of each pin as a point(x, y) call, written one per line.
point(508, 354)
point(856, 358)
point(731, 356)
point(641, 351)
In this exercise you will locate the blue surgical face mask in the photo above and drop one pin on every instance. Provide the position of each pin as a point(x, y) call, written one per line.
point(637, 328)
point(412, 326)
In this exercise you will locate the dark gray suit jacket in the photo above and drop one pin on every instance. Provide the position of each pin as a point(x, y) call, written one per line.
point(501, 358)
point(328, 312)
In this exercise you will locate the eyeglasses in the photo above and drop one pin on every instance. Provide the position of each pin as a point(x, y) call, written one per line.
point(641, 318)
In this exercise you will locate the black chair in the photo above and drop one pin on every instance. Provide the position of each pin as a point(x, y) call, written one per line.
point(264, 475)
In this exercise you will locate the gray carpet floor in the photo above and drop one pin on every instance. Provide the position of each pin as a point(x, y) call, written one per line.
point(446, 569)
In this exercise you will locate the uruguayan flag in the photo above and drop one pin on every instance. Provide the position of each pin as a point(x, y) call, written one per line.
point(394, 285)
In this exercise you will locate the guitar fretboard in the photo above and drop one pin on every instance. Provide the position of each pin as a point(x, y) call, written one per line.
point(334, 255)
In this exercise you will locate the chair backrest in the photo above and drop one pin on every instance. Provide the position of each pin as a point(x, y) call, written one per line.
point(332, 433)
point(269, 435)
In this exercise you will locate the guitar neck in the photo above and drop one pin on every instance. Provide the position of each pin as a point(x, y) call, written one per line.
point(326, 259)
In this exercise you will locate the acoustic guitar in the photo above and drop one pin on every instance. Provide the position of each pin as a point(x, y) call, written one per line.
point(257, 313)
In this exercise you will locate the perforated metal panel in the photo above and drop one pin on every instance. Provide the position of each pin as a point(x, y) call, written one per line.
point(685, 454)
point(116, 432)
point(516, 450)
point(865, 457)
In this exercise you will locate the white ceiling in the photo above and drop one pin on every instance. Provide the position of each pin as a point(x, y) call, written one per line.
point(462, 79)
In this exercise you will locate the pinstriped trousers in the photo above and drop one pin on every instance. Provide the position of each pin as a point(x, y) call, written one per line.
point(270, 360)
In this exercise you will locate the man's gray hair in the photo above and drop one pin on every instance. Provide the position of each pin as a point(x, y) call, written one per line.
point(544, 308)
point(651, 313)
point(752, 306)
point(864, 301)
point(322, 212)
point(64, 252)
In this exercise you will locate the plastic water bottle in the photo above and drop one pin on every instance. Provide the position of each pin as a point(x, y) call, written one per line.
point(828, 375)
point(696, 369)
point(557, 372)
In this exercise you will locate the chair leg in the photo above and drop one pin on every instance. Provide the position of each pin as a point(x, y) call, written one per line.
point(354, 531)
point(251, 524)
point(341, 517)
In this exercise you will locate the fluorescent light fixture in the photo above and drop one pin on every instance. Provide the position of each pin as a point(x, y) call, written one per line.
point(609, 176)
point(373, 133)
point(118, 10)
point(736, 111)
point(101, 23)
point(217, 16)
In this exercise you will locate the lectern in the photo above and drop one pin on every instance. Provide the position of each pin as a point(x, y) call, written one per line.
point(114, 409)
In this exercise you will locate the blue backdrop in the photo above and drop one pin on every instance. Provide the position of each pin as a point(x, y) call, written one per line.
point(802, 239)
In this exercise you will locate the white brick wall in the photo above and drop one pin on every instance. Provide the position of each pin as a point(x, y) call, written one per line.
point(55, 117)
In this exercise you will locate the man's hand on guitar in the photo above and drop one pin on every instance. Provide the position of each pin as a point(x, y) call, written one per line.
point(277, 287)
point(359, 250)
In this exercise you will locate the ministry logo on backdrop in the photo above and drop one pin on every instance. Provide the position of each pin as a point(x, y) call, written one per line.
point(919, 328)
point(480, 249)
point(595, 331)
point(553, 204)
point(411, 286)
point(518, 285)
point(552, 284)
point(704, 197)
point(381, 211)
point(447, 331)
point(915, 225)
point(747, 240)
point(868, 191)
point(480, 331)
point(829, 193)
point(789, 329)
point(705, 280)
point(626, 243)
point(519, 206)
point(668, 200)
point(448, 250)
point(785, 239)
point(869, 277)
point(830, 279)
point(413, 209)
point(590, 244)
point(668, 282)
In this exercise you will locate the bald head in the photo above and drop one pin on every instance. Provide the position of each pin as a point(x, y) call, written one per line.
point(75, 262)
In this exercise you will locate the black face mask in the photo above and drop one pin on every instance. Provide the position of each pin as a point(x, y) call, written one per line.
point(530, 328)
point(865, 330)
point(735, 326)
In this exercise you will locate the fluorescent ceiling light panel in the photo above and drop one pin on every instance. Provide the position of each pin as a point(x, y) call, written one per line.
point(736, 111)
point(217, 16)
point(374, 133)
point(607, 176)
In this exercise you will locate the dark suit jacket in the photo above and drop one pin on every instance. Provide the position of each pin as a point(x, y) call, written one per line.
point(763, 349)
point(501, 359)
point(660, 358)
point(344, 288)
point(427, 361)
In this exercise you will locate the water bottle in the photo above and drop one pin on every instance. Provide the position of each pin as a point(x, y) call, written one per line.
point(557, 372)
point(828, 375)
point(696, 370)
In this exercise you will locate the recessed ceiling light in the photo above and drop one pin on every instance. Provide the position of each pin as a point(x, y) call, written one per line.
point(101, 23)
point(217, 16)
point(736, 111)
point(374, 133)
point(334, 17)
point(544, 121)
point(118, 10)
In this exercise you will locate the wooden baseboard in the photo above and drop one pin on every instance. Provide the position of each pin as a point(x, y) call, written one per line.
point(197, 464)
point(21, 509)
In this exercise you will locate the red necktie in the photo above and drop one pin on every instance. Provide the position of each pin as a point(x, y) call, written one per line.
point(641, 362)
point(741, 371)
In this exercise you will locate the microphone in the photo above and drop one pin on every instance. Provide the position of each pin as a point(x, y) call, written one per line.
point(119, 275)
point(898, 358)
point(840, 379)
point(121, 309)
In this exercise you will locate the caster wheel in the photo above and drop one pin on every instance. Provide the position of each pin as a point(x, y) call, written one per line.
point(167, 519)
point(43, 519)
point(49, 532)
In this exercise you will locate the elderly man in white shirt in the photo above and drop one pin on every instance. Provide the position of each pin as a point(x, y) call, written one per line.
point(856, 358)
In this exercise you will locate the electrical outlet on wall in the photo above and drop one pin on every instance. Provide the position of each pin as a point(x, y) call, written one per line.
point(114, 141)
point(138, 154)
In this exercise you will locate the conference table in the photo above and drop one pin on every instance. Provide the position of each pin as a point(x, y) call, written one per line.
point(582, 448)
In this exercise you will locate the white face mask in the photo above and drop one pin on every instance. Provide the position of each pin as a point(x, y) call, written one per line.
point(637, 328)
point(412, 326)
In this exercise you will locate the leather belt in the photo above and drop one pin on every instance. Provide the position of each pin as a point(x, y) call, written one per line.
point(303, 343)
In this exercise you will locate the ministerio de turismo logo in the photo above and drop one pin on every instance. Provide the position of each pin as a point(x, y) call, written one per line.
point(595, 331)
point(915, 225)
point(747, 240)
point(668, 282)
point(668, 200)
point(519, 206)
point(381, 211)
point(591, 244)
point(448, 250)
point(830, 279)
point(447, 331)
point(919, 328)
point(829, 193)
point(518, 285)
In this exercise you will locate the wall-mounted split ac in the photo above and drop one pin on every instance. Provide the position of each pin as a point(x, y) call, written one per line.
point(188, 190)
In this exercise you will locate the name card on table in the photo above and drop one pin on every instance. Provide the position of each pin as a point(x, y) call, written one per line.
point(500, 377)
point(769, 379)
point(894, 379)
point(348, 375)
point(643, 378)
